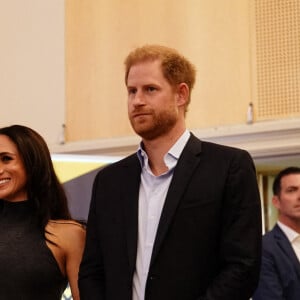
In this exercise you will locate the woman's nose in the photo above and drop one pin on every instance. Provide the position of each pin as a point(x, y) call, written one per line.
point(1, 167)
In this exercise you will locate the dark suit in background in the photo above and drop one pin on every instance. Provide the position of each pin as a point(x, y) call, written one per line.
point(208, 242)
point(280, 271)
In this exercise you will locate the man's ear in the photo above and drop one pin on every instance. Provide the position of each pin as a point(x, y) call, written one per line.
point(183, 93)
point(276, 201)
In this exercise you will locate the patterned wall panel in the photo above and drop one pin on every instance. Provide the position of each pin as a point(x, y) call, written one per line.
point(277, 58)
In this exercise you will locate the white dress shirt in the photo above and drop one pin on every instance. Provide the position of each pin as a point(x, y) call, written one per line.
point(152, 195)
point(293, 237)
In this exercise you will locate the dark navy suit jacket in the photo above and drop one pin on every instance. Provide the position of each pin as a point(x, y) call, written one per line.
point(280, 269)
point(208, 241)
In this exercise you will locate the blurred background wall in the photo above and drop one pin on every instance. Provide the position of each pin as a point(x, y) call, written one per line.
point(61, 73)
point(32, 65)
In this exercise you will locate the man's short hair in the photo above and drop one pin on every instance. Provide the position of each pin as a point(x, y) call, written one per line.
point(175, 67)
point(282, 173)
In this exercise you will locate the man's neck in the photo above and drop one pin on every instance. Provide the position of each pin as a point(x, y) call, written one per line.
point(157, 148)
point(291, 223)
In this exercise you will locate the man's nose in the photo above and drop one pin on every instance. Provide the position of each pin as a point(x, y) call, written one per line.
point(138, 98)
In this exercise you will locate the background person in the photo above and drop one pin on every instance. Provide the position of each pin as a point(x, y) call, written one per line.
point(280, 270)
point(180, 219)
point(40, 246)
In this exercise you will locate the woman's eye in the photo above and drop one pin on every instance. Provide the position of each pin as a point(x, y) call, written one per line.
point(6, 158)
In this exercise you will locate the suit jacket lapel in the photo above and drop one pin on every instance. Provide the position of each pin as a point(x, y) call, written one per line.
point(186, 165)
point(285, 245)
point(130, 195)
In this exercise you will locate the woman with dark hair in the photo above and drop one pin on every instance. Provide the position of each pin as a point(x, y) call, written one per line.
point(40, 245)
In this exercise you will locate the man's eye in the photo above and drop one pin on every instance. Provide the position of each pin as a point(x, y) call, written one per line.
point(151, 88)
point(131, 91)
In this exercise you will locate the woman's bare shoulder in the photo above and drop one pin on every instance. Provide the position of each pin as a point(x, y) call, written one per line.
point(66, 223)
point(66, 230)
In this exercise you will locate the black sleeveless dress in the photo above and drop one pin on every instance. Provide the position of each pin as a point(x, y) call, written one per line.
point(28, 269)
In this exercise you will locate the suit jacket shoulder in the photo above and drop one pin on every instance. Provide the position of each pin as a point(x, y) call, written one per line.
point(280, 270)
point(219, 148)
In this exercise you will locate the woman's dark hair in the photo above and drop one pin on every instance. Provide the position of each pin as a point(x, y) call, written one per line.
point(44, 190)
point(282, 173)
